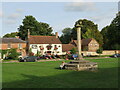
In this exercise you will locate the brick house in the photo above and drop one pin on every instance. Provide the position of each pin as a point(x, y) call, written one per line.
point(88, 44)
point(44, 44)
point(9, 43)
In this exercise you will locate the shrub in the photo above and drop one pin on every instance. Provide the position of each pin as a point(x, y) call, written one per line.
point(12, 54)
point(73, 51)
point(99, 51)
point(3, 52)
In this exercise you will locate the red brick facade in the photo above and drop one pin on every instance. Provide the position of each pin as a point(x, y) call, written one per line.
point(9, 43)
point(21, 49)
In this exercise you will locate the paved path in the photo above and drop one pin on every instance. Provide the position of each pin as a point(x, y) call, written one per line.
point(12, 61)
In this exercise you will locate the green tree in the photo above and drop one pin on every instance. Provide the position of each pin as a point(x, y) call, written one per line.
point(13, 54)
point(88, 30)
point(3, 52)
point(66, 36)
point(73, 51)
point(111, 34)
point(35, 27)
point(13, 34)
point(105, 39)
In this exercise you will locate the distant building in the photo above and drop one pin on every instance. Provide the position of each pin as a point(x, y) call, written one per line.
point(16, 43)
point(88, 44)
point(67, 47)
point(45, 44)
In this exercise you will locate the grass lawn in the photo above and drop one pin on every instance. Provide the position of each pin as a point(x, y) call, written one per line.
point(47, 75)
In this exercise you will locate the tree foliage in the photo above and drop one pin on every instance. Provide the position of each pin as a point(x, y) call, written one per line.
point(13, 54)
point(111, 34)
point(88, 30)
point(73, 51)
point(35, 27)
point(66, 36)
point(13, 34)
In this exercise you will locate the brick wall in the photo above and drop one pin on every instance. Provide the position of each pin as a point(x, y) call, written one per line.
point(105, 52)
point(15, 45)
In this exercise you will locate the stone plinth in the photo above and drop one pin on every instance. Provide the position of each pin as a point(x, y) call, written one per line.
point(81, 65)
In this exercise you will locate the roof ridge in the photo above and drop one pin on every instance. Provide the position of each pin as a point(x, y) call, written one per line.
point(39, 36)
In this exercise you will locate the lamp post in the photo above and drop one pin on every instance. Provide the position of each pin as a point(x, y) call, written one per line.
point(78, 25)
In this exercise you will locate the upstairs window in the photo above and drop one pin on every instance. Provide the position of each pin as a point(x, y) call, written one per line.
point(9, 45)
point(96, 45)
point(34, 46)
point(19, 46)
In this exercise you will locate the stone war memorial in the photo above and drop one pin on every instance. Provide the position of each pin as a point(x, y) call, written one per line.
point(80, 64)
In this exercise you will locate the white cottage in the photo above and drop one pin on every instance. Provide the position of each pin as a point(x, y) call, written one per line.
point(45, 44)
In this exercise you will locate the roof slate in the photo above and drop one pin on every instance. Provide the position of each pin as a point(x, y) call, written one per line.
point(83, 41)
point(67, 47)
point(11, 40)
point(44, 40)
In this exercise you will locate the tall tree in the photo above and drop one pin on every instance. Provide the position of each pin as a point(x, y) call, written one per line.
point(105, 39)
point(112, 34)
point(88, 30)
point(66, 36)
point(35, 27)
point(13, 34)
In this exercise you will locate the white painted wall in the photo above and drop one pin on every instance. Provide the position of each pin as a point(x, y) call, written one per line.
point(45, 49)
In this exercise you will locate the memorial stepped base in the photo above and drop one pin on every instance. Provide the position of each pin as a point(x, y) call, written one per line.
point(81, 65)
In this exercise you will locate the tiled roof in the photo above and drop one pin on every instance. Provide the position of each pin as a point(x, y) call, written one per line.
point(83, 41)
point(67, 47)
point(44, 40)
point(11, 40)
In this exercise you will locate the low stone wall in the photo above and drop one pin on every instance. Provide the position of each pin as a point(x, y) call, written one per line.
point(105, 52)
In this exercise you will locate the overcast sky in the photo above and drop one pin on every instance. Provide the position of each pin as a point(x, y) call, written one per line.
point(58, 15)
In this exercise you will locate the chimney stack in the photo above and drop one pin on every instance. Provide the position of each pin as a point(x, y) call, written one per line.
point(56, 34)
point(28, 33)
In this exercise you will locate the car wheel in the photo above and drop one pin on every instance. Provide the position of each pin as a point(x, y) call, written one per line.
point(25, 60)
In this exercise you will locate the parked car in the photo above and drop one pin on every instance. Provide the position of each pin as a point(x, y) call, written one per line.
point(28, 59)
point(73, 56)
point(115, 55)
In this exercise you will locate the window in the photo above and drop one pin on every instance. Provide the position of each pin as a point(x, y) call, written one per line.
point(34, 46)
point(95, 45)
point(19, 46)
point(49, 47)
point(55, 47)
point(9, 45)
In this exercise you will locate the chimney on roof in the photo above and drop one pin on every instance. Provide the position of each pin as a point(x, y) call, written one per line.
point(56, 34)
point(28, 33)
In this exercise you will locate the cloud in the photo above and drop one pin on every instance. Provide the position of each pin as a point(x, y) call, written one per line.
point(80, 6)
point(14, 16)
point(19, 10)
point(8, 22)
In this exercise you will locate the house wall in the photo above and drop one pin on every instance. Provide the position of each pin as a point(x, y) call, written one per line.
point(93, 45)
point(4, 46)
point(45, 49)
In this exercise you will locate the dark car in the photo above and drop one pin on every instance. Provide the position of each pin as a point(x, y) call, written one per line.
point(28, 59)
point(116, 55)
point(73, 56)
